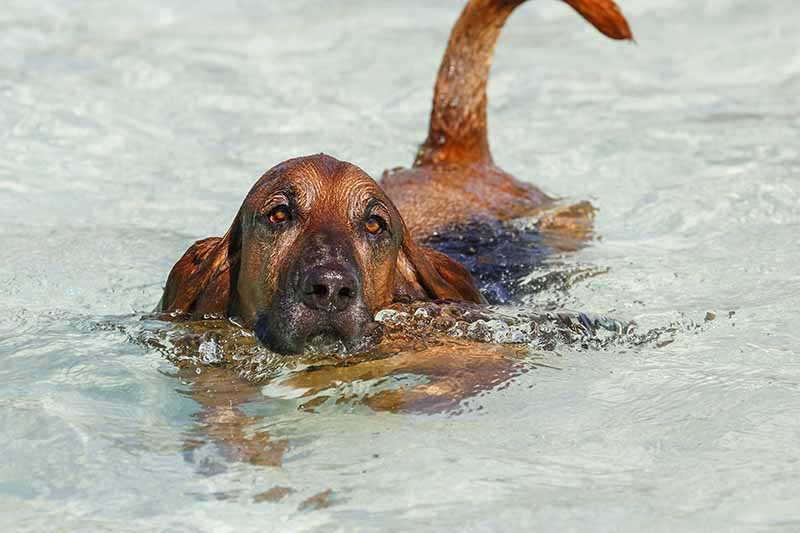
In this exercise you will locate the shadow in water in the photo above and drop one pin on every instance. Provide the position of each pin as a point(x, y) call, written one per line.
point(424, 357)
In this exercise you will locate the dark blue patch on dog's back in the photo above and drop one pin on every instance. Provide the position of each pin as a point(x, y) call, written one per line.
point(497, 255)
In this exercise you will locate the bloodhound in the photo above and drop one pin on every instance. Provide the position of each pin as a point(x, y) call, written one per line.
point(318, 247)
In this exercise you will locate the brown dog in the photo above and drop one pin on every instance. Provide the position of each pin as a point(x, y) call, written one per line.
point(318, 247)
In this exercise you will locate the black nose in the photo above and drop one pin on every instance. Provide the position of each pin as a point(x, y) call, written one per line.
point(329, 289)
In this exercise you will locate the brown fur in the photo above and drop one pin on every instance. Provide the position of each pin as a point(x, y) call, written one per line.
point(224, 276)
point(453, 179)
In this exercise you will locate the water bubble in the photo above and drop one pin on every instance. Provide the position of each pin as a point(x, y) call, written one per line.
point(421, 313)
point(210, 352)
point(392, 317)
point(385, 314)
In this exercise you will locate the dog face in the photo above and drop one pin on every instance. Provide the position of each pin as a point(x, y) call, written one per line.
point(319, 243)
point(315, 251)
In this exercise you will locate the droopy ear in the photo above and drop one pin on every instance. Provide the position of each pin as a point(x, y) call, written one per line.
point(423, 273)
point(203, 281)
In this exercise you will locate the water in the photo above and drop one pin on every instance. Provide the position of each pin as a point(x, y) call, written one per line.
point(131, 130)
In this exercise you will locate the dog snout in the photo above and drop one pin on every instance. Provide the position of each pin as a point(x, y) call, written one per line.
point(329, 288)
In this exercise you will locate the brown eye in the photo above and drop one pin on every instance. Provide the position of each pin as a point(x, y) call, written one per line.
point(375, 225)
point(279, 214)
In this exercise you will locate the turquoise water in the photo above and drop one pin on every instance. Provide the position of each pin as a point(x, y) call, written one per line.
point(130, 131)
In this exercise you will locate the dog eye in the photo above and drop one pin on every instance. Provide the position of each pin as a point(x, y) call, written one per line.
point(375, 225)
point(279, 214)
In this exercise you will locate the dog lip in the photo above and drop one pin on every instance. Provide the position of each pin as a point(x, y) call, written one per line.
point(291, 329)
point(323, 337)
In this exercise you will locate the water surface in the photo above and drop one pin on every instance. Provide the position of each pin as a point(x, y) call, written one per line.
point(131, 130)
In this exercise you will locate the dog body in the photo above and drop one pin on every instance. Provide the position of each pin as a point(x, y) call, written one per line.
point(318, 247)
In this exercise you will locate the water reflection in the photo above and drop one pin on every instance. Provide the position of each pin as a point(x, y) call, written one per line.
point(424, 358)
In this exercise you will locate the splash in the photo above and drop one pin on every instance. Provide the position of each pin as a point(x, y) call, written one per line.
point(402, 328)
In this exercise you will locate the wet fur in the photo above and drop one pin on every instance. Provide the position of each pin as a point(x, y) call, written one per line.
point(455, 209)
point(453, 186)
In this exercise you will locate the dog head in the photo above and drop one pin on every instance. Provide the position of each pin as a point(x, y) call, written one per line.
point(315, 251)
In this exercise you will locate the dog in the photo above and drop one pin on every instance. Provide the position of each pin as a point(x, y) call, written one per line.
point(318, 247)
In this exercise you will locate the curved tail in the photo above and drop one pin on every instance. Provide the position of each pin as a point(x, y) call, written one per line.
point(457, 131)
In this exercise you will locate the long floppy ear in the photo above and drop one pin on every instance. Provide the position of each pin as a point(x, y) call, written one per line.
point(424, 273)
point(203, 281)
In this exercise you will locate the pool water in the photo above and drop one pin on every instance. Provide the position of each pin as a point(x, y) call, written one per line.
point(129, 130)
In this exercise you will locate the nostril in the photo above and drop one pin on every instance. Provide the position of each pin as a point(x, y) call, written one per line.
point(328, 289)
point(345, 292)
point(319, 290)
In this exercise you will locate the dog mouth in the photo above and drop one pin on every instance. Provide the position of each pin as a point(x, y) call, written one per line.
point(302, 332)
point(326, 340)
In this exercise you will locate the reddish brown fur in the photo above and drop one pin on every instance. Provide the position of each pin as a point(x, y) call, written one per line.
point(226, 276)
point(454, 179)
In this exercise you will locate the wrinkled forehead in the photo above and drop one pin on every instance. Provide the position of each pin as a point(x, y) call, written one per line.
point(316, 182)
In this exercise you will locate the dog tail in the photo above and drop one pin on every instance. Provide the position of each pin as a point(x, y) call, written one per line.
point(457, 131)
